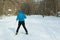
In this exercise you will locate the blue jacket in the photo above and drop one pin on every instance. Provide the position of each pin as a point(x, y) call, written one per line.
point(21, 16)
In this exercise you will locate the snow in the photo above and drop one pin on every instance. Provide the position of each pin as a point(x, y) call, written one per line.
point(39, 28)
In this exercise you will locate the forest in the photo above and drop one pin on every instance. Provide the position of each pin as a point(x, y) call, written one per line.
point(30, 7)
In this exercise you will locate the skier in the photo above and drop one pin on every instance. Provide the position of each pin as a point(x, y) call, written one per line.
point(21, 20)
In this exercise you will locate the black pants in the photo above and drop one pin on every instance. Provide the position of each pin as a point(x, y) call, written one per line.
point(23, 24)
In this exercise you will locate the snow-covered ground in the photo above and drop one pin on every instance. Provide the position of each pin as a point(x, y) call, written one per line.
point(39, 28)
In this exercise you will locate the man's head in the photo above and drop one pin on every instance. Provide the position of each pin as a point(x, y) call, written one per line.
point(20, 11)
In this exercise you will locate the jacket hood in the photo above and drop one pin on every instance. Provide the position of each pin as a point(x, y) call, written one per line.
point(20, 11)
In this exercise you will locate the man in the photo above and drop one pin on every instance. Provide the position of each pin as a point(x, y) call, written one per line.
point(21, 20)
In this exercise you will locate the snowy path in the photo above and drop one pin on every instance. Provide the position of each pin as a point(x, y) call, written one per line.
point(39, 28)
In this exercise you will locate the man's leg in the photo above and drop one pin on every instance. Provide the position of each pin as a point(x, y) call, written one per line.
point(19, 24)
point(23, 24)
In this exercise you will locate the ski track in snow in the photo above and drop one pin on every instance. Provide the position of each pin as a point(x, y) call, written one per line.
point(39, 28)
